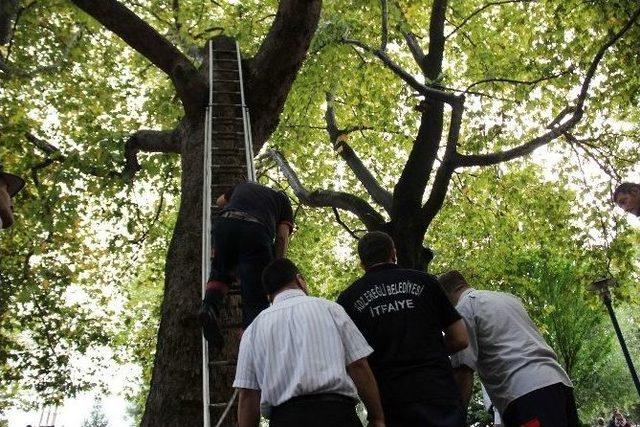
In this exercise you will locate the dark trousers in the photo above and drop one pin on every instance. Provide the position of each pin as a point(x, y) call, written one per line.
point(242, 248)
point(551, 406)
point(424, 414)
point(323, 410)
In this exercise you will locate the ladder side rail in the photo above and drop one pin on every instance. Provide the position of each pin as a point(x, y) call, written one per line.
point(249, 146)
point(206, 236)
point(42, 415)
point(227, 408)
point(248, 152)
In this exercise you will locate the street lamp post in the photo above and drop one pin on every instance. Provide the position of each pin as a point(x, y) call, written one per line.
point(601, 287)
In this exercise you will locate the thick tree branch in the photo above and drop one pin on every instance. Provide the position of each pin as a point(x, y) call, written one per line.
point(190, 86)
point(415, 49)
point(409, 191)
point(435, 54)
point(403, 74)
point(563, 123)
point(149, 141)
point(411, 39)
point(271, 72)
point(8, 13)
point(481, 9)
point(338, 139)
point(384, 16)
point(443, 175)
point(326, 198)
point(54, 154)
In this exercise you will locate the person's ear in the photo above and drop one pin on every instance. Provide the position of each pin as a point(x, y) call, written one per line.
point(301, 283)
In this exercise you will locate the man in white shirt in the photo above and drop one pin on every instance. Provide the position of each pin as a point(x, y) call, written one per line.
point(519, 370)
point(302, 361)
point(10, 185)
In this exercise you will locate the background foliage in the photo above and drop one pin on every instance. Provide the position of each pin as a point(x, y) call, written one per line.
point(81, 272)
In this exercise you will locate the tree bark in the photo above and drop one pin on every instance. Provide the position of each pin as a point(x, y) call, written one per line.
point(175, 395)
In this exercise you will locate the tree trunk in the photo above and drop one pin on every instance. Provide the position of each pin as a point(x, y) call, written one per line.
point(408, 236)
point(175, 397)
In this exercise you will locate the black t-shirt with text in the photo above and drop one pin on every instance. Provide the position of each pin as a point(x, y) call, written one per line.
point(402, 314)
point(268, 206)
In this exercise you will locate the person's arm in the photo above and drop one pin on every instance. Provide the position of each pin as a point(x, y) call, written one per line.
point(248, 408)
point(456, 337)
point(464, 378)
point(363, 378)
point(282, 239)
point(221, 201)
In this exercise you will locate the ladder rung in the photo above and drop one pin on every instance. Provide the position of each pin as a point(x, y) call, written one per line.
point(228, 150)
point(225, 81)
point(220, 405)
point(221, 132)
point(229, 118)
point(227, 104)
point(225, 60)
point(227, 166)
point(228, 92)
point(224, 51)
point(225, 70)
point(223, 363)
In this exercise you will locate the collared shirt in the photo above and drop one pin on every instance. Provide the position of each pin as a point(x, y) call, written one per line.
point(300, 345)
point(505, 347)
point(402, 314)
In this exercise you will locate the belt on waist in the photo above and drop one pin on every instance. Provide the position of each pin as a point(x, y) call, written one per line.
point(240, 215)
point(319, 397)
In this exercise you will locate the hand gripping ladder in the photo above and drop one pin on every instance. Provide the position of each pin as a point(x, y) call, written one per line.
point(216, 128)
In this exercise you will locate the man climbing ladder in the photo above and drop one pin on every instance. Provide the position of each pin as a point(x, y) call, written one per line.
point(251, 231)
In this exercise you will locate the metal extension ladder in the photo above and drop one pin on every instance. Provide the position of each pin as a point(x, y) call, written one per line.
point(224, 70)
point(48, 416)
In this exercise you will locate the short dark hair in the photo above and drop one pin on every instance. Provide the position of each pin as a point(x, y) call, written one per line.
point(375, 247)
point(278, 274)
point(451, 280)
point(625, 188)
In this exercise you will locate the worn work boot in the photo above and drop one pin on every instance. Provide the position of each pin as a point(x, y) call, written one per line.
point(209, 319)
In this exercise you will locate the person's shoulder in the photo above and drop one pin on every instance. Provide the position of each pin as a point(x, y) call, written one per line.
point(349, 292)
point(420, 274)
point(422, 277)
point(320, 302)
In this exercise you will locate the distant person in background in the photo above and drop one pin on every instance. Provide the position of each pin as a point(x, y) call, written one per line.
point(627, 197)
point(618, 420)
point(10, 185)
